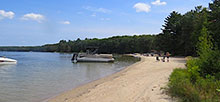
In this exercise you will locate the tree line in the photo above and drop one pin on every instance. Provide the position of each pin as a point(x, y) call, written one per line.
point(116, 44)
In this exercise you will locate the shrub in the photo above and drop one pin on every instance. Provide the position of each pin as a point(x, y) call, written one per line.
point(202, 90)
point(181, 86)
point(208, 89)
point(193, 69)
point(210, 65)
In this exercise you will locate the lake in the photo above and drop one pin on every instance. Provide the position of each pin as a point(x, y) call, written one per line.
point(40, 75)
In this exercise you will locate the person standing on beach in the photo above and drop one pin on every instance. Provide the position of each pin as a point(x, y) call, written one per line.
point(157, 57)
point(163, 57)
point(168, 56)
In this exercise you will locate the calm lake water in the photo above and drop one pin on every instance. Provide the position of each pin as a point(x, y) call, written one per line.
point(38, 76)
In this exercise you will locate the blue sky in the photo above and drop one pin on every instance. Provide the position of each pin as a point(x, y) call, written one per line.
point(38, 22)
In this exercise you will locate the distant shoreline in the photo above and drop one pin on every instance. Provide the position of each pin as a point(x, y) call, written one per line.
point(111, 86)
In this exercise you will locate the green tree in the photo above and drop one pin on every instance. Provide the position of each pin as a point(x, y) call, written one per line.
point(171, 30)
point(214, 19)
point(209, 58)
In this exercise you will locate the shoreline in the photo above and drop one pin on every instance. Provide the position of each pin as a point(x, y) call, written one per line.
point(93, 83)
point(103, 87)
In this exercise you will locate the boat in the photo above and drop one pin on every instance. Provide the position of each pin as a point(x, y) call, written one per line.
point(4, 60)
point(92, 57)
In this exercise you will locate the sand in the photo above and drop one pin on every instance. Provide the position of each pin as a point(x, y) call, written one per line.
point(140, 82)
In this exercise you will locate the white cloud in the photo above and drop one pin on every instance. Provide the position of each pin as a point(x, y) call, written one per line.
point(158, 3)
point(4, 14)
point(103, 10)
point(65, 22)
point(32, 16)
point(93, 9)
point(142, 7)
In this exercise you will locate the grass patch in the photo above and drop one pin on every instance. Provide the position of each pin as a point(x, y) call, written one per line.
point(202, 90)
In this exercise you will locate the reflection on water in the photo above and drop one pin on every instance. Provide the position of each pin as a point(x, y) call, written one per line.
point(38, 76)
point(4, 68)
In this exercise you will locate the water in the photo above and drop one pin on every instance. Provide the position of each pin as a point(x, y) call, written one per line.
point(38, 76)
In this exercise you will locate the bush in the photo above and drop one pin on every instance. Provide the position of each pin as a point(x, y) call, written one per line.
point(193, 69)
point(210, 64)
point(181, 86)
point(208, 89)
point(200, 90)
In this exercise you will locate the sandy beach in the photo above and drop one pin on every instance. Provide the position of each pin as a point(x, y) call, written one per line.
point(140, 82)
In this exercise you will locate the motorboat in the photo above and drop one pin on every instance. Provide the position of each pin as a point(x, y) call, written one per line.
point(92, 58)
point(4, 60)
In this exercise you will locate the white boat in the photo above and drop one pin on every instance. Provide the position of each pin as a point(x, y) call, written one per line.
point(92, 58)
point(4, 60)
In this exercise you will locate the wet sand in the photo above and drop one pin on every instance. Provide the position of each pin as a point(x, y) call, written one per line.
point(140, 82)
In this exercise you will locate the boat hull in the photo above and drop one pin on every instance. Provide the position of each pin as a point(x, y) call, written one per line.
point(3, 63)
point(86, 59)
point(7, 61)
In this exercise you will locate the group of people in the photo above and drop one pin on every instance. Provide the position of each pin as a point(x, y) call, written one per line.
point(164, 56)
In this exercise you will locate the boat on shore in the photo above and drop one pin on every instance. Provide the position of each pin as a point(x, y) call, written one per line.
point(4, 60)
point(92, 56)
point(82, 57)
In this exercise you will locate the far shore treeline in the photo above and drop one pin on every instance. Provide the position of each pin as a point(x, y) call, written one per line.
point(116, 44)
point(180, 36)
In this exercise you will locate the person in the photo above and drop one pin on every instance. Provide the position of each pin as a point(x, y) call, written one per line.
point(168, 56)
point(164, 56)
point(157, 57)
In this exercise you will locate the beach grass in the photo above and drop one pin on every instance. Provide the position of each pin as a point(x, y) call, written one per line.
point(202, 90)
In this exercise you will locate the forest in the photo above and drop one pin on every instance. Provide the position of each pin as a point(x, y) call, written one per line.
point(199, 33)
